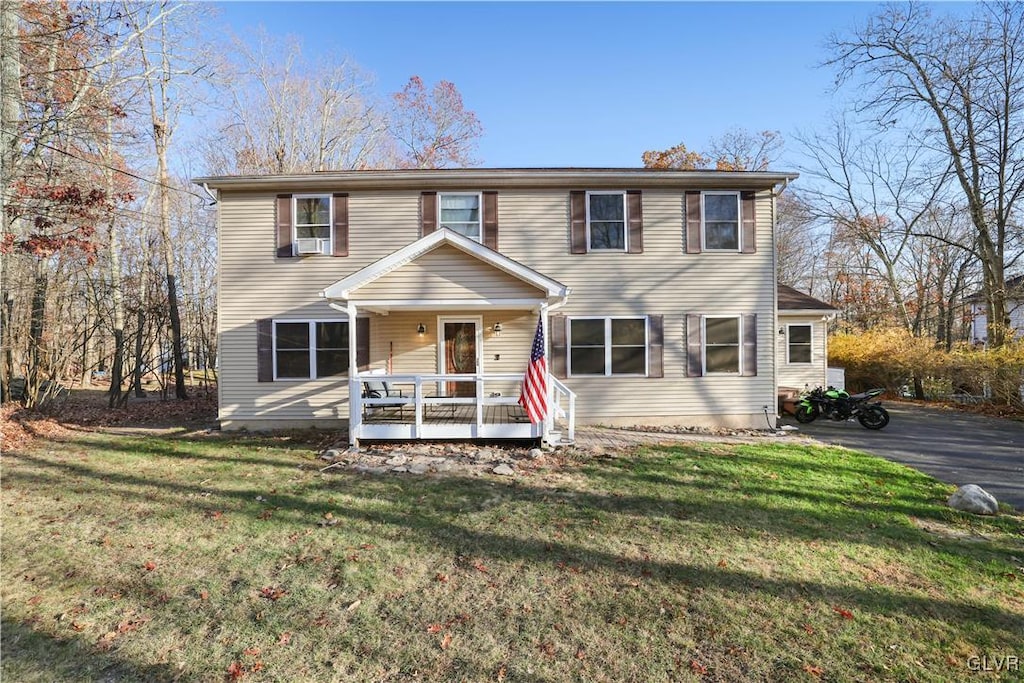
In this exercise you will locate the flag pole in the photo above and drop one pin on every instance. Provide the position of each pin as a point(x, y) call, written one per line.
point(549, 389)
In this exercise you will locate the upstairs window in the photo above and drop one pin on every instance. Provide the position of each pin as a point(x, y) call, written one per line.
point(606, 221)
point(309, 349)
point(460, 212)
point(312, 224)
point(608, 346)
point(799, 343)
point(721, 224)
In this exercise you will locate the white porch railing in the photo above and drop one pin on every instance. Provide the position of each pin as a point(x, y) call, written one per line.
point(563, 407)
point(423, 408)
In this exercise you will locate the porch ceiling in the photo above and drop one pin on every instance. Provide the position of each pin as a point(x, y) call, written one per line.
point(425, 283)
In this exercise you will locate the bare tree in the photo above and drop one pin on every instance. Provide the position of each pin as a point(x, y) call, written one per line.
point(170, 74)
point(740, 150)
point(287, 115)
point(958, 84)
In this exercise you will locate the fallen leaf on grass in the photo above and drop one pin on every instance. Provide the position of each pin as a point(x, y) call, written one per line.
point(807, 627)
point(285, 638)
point(845, 613)
point(723, 563)
point(580, 654)
point(697, 668)
point(479, 566)
point(35, 600)
point(273, 592)
point(257, 666)
point(149, 566)
point(78, 627)
point(353, 605)
point(251, 651)
point(815, 671)
point(235, 671)
point(441, 577)
point(446, 641)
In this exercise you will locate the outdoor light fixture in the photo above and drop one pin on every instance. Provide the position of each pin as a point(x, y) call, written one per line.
point(421, 329)
point(497, 329)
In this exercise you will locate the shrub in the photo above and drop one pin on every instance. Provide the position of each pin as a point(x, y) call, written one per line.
point(893, 357)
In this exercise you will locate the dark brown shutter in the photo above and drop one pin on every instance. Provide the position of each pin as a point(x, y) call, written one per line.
point(693, 222)
point(656, 345)
point(635, 216)
point(362, 344)
point(749, 346)
point(490, 236)
point(339, 236)
point(284, 226)
point(265, 350)
point(428, 213)
point(748, 213)
point(578, 222)
point(556, 332)
point(694, 360)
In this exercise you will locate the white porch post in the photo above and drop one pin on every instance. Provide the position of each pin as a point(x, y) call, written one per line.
point(355, 403)
point(549, 413)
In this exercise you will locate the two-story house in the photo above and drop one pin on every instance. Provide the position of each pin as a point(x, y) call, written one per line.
point(405, 303)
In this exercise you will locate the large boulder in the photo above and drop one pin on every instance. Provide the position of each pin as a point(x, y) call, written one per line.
point(973, 498)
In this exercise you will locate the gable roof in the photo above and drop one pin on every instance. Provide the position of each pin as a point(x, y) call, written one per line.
point(794, 300)
point(497, 178)
point(342, 289)
point(1014, 290)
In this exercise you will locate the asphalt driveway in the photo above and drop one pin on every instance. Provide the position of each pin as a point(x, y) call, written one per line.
point(955, 447)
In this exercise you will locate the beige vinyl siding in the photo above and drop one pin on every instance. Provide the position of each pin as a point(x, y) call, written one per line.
point(534, 227)
point(662, 280)
point(446, 273)
point(798, 375)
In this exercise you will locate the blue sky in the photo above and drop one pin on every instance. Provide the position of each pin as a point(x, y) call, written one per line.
point(589, 84)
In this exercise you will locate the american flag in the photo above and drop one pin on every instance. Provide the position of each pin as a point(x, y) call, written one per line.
point(534, 396)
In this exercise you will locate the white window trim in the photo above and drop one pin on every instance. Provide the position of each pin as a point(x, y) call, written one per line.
point(312, 347)
point(330, 220)
point(625, 219)
point(608, 345)
point(739, 222)
point(480, 212)
point(809, 361)
point(704, 345)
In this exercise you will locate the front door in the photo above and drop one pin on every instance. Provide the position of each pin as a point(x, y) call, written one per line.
point(459, 353)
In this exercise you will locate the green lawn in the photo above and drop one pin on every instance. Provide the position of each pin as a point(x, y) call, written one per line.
point(226, 558)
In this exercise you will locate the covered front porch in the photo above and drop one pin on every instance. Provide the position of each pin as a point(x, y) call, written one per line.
point(450, 326)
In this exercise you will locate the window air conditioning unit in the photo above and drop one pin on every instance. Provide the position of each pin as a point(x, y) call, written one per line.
point(309, 245)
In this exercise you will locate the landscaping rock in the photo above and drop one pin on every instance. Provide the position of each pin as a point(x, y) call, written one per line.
point(504, 469)
point(535, 453)
point(396, 460)
point(401, 469)
point(973, 498)
point(419, 468)
point(331, 454)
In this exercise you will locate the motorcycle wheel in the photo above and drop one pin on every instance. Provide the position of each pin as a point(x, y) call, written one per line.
point(805, 414)
point(873, 417)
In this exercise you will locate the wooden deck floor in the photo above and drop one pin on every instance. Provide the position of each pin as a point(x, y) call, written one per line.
point(450, 414)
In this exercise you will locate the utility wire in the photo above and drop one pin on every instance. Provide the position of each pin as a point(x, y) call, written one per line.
point(115, 169)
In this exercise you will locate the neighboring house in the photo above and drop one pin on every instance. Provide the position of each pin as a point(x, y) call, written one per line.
point(1014, 308)
point(802, 359)
point(656, 291)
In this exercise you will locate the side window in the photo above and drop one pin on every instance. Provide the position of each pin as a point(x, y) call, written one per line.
point(722, 345)
point(608, 346)
point(606, 220)
point(460, 212)
point(312, 224)
point(721, 221)
point(309, 349)
point(798, 343)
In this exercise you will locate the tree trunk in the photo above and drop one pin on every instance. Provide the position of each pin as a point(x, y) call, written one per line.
point(37, 327)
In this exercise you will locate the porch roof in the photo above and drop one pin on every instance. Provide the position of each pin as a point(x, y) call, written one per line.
point(548, 290)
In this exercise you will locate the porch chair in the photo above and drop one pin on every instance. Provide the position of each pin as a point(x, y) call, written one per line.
point(378, 388)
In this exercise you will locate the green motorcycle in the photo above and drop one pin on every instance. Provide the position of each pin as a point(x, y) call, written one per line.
point(839, 405)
